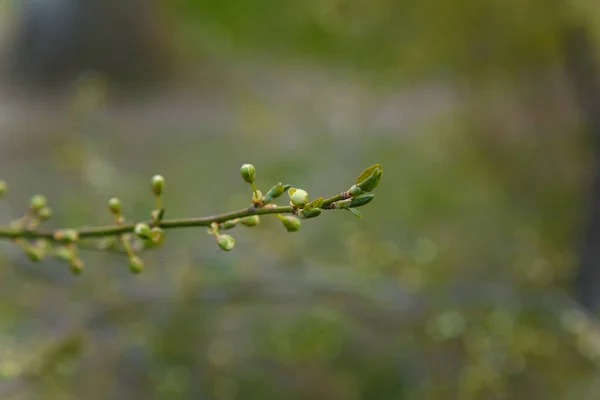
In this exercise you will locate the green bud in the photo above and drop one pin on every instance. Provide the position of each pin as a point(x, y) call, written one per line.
point(157, 215)
point(361, 200)
point(341, 204)
point(370, 178)
point(66, 235)
point(251, 220)
point(257, 197)
point(226, 242)
point(142, 231)
point(158, 184)
point(229, 224)
point(298, 197)
point(64, 253)
point(114, 206)
point(310, 213)
point(292, 224)
point(34, 254)
point(248, 173)
point(76, 266)
point(355, 191)
point(3, 188)
point(45, 213)
point(136, 265)
point(275, 192)
point(38, 202)
point(157, 235)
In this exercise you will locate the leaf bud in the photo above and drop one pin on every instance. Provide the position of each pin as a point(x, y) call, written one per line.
point(310, 213)
point(361, 200)
point(275, 192)
point(370, 178)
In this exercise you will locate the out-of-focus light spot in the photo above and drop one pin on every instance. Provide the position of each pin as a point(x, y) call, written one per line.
point(574, 321)
point(99, 173)
point(526, 339)
point(445, 326)
point(540, 272)
point(425, 251)
point(412, 277)
point(501, 322)
point(225, 389)
point(515, 364)
point(588, 344)
point(9, 369)
point(385, 253)
point(220, 353)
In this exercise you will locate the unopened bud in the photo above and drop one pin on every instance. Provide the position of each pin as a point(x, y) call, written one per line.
point(257, 197)
point(64, 253)
point(298, 197)
point(225, 242)
point(38, 202)
point(114, 206)
point(157, 235)
point(355, 191)
point(248, 173)
point(158, 184)
point(76, 266)
point(45, 213)
point(251, 220)
point(34, 254)
point(136, 265)
point(66, 235)
point(229, 224)
point(142, 231)
point(292, 224)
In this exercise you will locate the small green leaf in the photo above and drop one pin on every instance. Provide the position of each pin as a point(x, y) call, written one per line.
point(316, 203)
point(310, 213)
point(291, 191)
point(355, 212)
point(366, 173)
point(361, 200)
point(370, 178)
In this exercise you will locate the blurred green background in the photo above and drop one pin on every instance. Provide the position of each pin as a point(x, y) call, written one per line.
point(457, 282)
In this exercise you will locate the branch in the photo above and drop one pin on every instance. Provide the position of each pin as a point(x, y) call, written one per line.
point(115, 230)
point(137, 236)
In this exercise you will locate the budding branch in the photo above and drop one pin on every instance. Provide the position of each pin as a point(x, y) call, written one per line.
point(114, 230)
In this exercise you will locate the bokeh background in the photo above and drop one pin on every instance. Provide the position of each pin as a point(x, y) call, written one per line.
point(471, 276)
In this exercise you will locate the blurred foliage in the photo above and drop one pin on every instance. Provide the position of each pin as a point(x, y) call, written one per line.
point(451, 287)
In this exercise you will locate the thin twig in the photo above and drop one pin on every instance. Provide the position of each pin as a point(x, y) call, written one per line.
point(114, 230)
